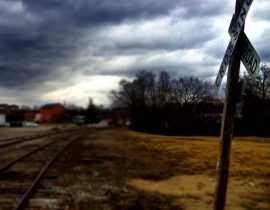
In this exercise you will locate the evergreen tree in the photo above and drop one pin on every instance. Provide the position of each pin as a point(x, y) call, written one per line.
point(92, 112)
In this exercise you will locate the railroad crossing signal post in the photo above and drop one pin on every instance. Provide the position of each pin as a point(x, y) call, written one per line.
point(238, 49)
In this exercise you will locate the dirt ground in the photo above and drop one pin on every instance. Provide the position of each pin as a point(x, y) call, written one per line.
point(118, 169)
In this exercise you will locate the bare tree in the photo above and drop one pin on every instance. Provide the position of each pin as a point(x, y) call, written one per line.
point(177, 93)
point(260, 85)
point(162, 104)
point(145, 86)
point(126, 96)
point(163, 89)
point(137, 93)
point(190, 90)
point(146, 91)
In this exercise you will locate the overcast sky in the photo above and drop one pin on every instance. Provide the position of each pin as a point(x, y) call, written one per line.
point(67, 51)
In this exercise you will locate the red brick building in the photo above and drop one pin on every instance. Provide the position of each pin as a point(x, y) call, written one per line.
point(52, 113)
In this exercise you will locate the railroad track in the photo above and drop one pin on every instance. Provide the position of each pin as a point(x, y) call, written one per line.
point(17, 140)
point(20, 177)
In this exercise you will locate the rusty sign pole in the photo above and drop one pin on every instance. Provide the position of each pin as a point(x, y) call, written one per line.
point(228, 120)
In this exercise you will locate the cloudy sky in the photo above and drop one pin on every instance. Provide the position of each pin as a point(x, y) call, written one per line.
point(67, 51)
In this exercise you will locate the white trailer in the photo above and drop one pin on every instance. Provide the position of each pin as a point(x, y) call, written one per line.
point(2, 119)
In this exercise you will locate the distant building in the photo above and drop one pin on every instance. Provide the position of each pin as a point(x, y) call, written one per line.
point(29, 116)
point(14, 107)
point(4, 108)
point(37, 117)
point(79, 119)
point(2, 119)
point(52, 113)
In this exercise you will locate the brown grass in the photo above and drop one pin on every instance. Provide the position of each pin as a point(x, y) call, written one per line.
point(193, 182)
point(118, 169)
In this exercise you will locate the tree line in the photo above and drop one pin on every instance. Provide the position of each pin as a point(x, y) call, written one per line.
point(187, 105)
point(255, 114)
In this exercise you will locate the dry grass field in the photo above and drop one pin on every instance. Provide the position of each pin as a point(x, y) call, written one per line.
point(125, 170)
point(193, 182)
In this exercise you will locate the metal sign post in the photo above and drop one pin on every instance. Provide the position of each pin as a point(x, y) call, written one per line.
point(238, 49)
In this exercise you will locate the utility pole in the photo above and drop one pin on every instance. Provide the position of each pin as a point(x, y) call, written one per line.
point(228, 119)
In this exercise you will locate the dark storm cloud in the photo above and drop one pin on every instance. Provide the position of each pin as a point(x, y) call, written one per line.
point(44, 44)
point(262, 46)
point(38, 36)
point(32, 49)
point(208, 8)
point(85, 12)
point(182, 40)
point(95, 12)
point(25, 58)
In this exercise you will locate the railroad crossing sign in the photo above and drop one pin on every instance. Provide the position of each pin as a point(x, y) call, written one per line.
point(250, 57)
point(245, 52)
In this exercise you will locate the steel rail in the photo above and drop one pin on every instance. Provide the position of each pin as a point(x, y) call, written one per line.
point(22, 139)
point(18, 140)
point(9, 164)
point(25, 137)
point(40, 176)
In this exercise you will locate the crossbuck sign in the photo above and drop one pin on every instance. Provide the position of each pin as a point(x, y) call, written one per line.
point(250, 57)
